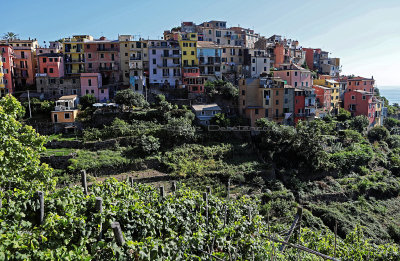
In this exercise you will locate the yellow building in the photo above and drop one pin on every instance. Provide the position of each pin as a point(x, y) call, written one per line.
point(335, 97)
point(378, 111)
point(74, 54)
point(188, 45)
point(134, 60)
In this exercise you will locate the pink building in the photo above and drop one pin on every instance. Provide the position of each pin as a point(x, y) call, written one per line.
point(360, 102)
point(7, 54)
point(102, 56)
point(361, 83)
point(323, 97)
point(51, 64)
point(192, 80)
point(91, 83)
point(294, 75)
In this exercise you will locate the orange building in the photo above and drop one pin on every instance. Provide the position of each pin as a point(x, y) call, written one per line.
point(7, 59)
point(25, 62)
point(66, 110)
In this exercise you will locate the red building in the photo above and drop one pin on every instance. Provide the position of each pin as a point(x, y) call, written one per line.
point(7, 54)
point(192, 80)
point(299, 105)
point(360, 102)
point(361, 83)
point(323, 97)
point(51, 64)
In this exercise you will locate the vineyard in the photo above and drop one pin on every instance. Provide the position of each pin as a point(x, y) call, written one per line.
point(129, 221)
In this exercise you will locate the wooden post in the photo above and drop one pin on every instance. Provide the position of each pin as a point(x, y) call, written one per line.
point(162, 192)
point(173, 187)
point(84, 182)
point(249, 213)
point(334, 250)
point(99, 205)
point(289, 234)
point(205, 198)
point(228, 188)
point(208, 190)
point(131, 181)
point(41, 207)
point(118, 233)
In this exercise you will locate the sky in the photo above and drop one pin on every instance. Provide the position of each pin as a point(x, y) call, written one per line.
point(365, 34)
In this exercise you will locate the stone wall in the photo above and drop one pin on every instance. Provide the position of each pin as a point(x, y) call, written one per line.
point(57, 162)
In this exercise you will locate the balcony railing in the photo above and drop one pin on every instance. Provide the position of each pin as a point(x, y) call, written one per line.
point(99, 49)
point(63, 108)
point(108, 68)
point(135, 58)
point(168, 65)
point(171, 55)
point(68, 60)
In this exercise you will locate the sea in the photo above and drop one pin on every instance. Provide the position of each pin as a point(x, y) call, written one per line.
point(392, 93)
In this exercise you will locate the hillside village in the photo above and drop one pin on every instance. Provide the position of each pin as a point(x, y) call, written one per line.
point(277, 78)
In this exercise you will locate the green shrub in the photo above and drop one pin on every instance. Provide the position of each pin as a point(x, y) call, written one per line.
point(378, 133)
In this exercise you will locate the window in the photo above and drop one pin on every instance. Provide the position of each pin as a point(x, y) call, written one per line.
point(243, 92)
point(44, 60)
point(192, 53)
point(277, 102)
point(254, 69)
point(51, 70)
point(286, 100)
point(138, 45)
point(90, 82)
point(90, 65)
point(61, 81)
point(277, 112)
point(102, 55)
point(184, 52)
point(153, 51)
point(277, 92)
point(256, 111)
point(243, 102)
point(223, 50)
point(66, 115)
point(154, 71)
point(45, 70)
point(126, 54)
point(89, 55)
point(286, 91)
point(363, 97)
point(50, 59)
point(102, 91)
point(265, 69)
point(154, 61)
point(287, 73)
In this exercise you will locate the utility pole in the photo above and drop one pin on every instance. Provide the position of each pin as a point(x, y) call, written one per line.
point(29, 101)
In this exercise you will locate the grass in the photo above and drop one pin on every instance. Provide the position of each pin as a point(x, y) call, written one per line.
point(63, 137)
point(58, 152)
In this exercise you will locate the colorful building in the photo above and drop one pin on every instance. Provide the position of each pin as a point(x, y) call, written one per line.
point(193, 81)
point(74, 54)
point(91, 83)
point(54, 47)
point(165, 64)
point(360, 102)
point(134, 57)
point(102, 56)
point(204, 113)
point(54, 87)
point(267, 98)
point(2, 85)
point(51, 64)
point(304, 104)
point(66, 110)
point(335, 95)
point(209, 55)
point(7, 59)
point(318, 60)
point(188, 45)
point(294, 75)
point(323, 100)
point(25, 62)
point(361, 83)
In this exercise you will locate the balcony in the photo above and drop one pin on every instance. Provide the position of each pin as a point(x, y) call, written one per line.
point(168, 65)
point(63, 108)
point(171, 55)
point(135, 58)
point(108, 68)
point(99, 49)
point(69, 60)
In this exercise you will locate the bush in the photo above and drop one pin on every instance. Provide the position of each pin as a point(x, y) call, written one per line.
point(393, 141)
point(378, 133)
point(149, 144)
point(391, 123)
point(359, 123)
point(87, 101)
point(130, 98)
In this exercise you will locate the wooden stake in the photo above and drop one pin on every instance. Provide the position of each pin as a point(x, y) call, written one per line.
point(99, 205)
point(334, 250)
point(41, 207)
point(205, 198)
point(229, 188)
point(131, 181)
point(84, 182)
point(289, 234)
point(208, 189)
point(118, 233)
point(162, 192)
point(173, 187)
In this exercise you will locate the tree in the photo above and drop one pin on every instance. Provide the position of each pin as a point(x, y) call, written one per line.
point(343, 115)
point(20, 149)
point(130, 98)
point(149, 144)
point(220, 120)
point(359, 123)
point(391, 123)
point(10, 36)
point(179, 130)
point(378, 133)
point(87, 101)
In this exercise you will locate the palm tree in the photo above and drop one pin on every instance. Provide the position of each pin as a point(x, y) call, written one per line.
point(10, 36)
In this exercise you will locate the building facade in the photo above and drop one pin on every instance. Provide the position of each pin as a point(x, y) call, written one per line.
point(7, 59)
point(91, 83)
